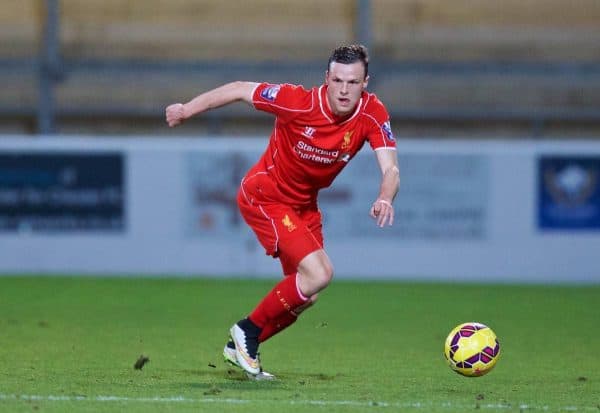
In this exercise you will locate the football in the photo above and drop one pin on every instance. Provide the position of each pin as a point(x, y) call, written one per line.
point(472, 349)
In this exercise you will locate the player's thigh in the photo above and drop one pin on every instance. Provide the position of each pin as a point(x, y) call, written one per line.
point(293, 249)
point(282, 231)
point(260, 223)
point(314, 222)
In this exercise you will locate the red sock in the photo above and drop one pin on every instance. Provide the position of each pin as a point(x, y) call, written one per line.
point(281, 300)
point(275, 326)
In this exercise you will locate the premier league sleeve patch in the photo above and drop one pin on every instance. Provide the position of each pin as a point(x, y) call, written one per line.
point(270, 92)
point(387, 131)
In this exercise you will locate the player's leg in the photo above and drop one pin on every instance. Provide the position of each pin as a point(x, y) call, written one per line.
point(280, 230)
point(272, 314)
point(274, 326)
point(284, 321)
point(271, 328)
point(315, 272)
point(294, 246)
point(281, 307)
point(244, 334)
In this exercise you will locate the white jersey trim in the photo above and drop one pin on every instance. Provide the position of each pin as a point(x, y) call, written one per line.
point(276, 243)
point(321, 104)
point(384, 139)
point(324, 113)
point(359, 107)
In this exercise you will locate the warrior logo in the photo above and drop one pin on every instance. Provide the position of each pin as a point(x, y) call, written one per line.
point(309, 132)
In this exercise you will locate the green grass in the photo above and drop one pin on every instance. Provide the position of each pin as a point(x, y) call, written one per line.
point(69, 344)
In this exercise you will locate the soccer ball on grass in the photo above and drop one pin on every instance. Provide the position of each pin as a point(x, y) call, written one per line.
point(472, 349)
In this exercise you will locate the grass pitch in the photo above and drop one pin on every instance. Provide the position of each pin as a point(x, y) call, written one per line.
point(70, 344)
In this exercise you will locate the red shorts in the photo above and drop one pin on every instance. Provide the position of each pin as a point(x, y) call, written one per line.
point(287, 233)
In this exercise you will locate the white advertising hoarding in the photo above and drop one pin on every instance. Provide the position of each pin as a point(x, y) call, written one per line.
point(464, 212)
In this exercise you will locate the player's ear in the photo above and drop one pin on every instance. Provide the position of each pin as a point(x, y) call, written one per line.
point(366, 81)
point(326, 76)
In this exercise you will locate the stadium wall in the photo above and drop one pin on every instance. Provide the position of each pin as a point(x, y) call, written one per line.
point(499, 211)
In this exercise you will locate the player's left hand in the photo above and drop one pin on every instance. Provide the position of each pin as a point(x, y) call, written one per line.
point(383, 212)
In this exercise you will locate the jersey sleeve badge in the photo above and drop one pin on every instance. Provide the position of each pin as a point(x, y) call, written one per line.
point(270, 92)
point(387, 131)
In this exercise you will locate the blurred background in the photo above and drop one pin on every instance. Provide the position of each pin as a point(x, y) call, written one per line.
point(490, 68)
point(495, 105)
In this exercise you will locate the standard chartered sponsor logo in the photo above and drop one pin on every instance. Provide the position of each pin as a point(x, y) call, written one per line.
point(309, 152)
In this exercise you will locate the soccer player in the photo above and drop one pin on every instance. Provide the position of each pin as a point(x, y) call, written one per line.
point(316, 133)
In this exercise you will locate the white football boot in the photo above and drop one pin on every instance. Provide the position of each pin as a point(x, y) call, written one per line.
point(230, 357)
point(245, 350)
point(236, 352)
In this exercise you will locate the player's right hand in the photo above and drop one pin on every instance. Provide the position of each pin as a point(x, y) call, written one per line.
point(175, 114)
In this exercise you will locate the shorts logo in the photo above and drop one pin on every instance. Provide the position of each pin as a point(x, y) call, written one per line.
point(347, 139)
point(270, 92)
point(287, 222)
point(387, 130)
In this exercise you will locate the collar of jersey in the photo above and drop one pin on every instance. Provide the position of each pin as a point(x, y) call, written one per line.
point(326, 110)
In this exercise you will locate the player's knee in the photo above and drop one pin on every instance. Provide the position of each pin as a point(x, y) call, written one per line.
point(323, 275)
point(316, 272)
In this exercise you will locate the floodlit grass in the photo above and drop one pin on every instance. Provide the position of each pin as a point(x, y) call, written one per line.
point(69, 344)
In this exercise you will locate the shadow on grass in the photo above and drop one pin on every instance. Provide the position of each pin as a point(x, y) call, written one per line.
point(214, 381)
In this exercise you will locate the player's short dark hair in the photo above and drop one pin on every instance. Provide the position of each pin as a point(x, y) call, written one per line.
point(350, 54)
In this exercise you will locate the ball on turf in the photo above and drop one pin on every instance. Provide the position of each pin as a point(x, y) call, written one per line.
point(472, 349)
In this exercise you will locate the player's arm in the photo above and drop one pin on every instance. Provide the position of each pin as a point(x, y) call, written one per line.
point(382, 209)
point(220, 96)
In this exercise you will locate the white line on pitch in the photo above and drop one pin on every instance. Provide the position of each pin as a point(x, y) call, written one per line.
point(182, 399)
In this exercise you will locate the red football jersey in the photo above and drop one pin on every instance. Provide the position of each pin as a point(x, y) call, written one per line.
point(310, 145)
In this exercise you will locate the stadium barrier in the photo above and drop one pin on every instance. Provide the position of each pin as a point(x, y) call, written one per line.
point(499, 211)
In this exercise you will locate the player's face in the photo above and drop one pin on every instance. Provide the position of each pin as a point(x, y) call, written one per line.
point(345, 85)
